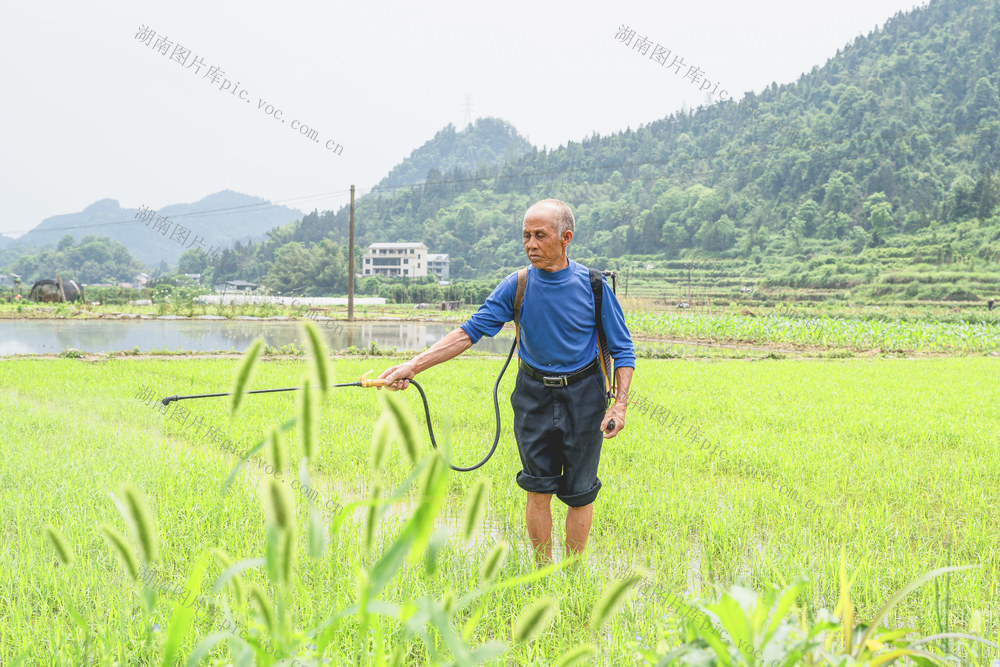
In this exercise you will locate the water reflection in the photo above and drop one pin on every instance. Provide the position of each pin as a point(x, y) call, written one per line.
point(54, 336)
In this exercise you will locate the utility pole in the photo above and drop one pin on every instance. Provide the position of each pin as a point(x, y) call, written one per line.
point(350, 265)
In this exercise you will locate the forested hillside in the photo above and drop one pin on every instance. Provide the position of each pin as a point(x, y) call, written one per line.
point(489, 142)
point(889, 151)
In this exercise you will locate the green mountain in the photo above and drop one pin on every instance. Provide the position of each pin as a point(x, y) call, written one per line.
point(885, 157)
point(488, 142)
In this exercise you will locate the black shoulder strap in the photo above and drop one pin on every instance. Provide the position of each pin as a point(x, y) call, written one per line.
point(597, 285)
point(522, 282)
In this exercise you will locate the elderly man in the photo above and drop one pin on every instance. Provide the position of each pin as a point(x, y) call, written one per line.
point(560, 403)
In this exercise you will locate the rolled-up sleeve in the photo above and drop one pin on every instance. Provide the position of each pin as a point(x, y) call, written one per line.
point(617, 334)
point(497, 310)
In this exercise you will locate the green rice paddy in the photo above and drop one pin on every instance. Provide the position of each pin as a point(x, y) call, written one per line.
point(766, 470)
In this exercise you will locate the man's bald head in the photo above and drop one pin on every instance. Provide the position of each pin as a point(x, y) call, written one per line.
point(563, 215)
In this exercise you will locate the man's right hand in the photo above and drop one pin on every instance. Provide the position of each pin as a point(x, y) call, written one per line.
point(398, 376)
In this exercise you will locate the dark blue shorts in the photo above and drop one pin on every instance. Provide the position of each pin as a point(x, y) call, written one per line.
point(558, 432)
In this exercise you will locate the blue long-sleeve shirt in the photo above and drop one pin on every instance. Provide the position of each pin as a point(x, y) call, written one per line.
point(558, 332)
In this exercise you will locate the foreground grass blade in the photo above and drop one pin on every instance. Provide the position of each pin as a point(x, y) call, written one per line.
point(474, 509)
point(288, 425)
point(59, 543)
point(145, 526)
point(403, 422)
point(183, 616)
point(612, 599)
point(124, 550)
point(244, 375)
point(577, 656)
point(534, 619)
point(493, 562)
point(276, 450)
point(903, 592)
point(319, 358)
point(307, 419)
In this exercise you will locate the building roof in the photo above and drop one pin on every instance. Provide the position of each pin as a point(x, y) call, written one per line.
point(437, 258)
point(387, 246)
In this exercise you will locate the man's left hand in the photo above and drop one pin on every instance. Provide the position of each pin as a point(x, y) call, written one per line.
point(617, 413)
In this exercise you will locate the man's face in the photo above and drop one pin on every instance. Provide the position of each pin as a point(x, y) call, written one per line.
point(546, 250)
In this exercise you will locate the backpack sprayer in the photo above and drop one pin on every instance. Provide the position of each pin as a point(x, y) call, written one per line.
point(596, 281)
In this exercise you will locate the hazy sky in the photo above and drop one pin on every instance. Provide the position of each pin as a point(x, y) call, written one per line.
point(91, 112)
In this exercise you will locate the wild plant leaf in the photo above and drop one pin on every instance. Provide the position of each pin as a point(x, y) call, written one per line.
point(433, 493)
point(63, 551)
point(381, 438)
point(472, 621)
point(317, 533)
point(123, 549)
point(845, 606)
point(536, 574)
point(577, 656)
point(403, 424)
point(143, 521)
point(286, 426)
point(307, 420)
point(612, 599)
point(434, 547)
point(236, 582)
point(274, 553)
point(493, 562)
point(278, 503)
point(263, 602)
point(734, 620)
point(244, 374)
point(486, 652)
point(277, 452)
point(534, 619)
point(474, 509)
point(953, 635)
point(906, 590)
point(319, 358)
point(288, 556)
point(205, 646)
point(232, 571)
point(784, 603)
point(371, 521)
point(183, 615)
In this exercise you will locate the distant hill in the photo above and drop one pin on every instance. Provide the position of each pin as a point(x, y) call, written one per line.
point(5, 241)
point(486, 143)
point(221, 219)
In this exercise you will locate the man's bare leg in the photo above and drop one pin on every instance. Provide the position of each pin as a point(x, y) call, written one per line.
point(539, 519)
point(578, 520)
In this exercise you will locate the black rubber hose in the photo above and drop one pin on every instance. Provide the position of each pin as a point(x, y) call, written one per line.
point(496, 411)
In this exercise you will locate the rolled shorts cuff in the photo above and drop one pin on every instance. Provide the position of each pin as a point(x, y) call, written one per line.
point(538, 484)
point(581, 499)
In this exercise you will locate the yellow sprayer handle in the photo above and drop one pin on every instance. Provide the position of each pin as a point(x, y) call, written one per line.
point(374, 382)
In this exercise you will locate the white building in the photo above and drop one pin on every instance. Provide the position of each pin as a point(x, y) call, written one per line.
point(408, 260)
point(438, 264)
